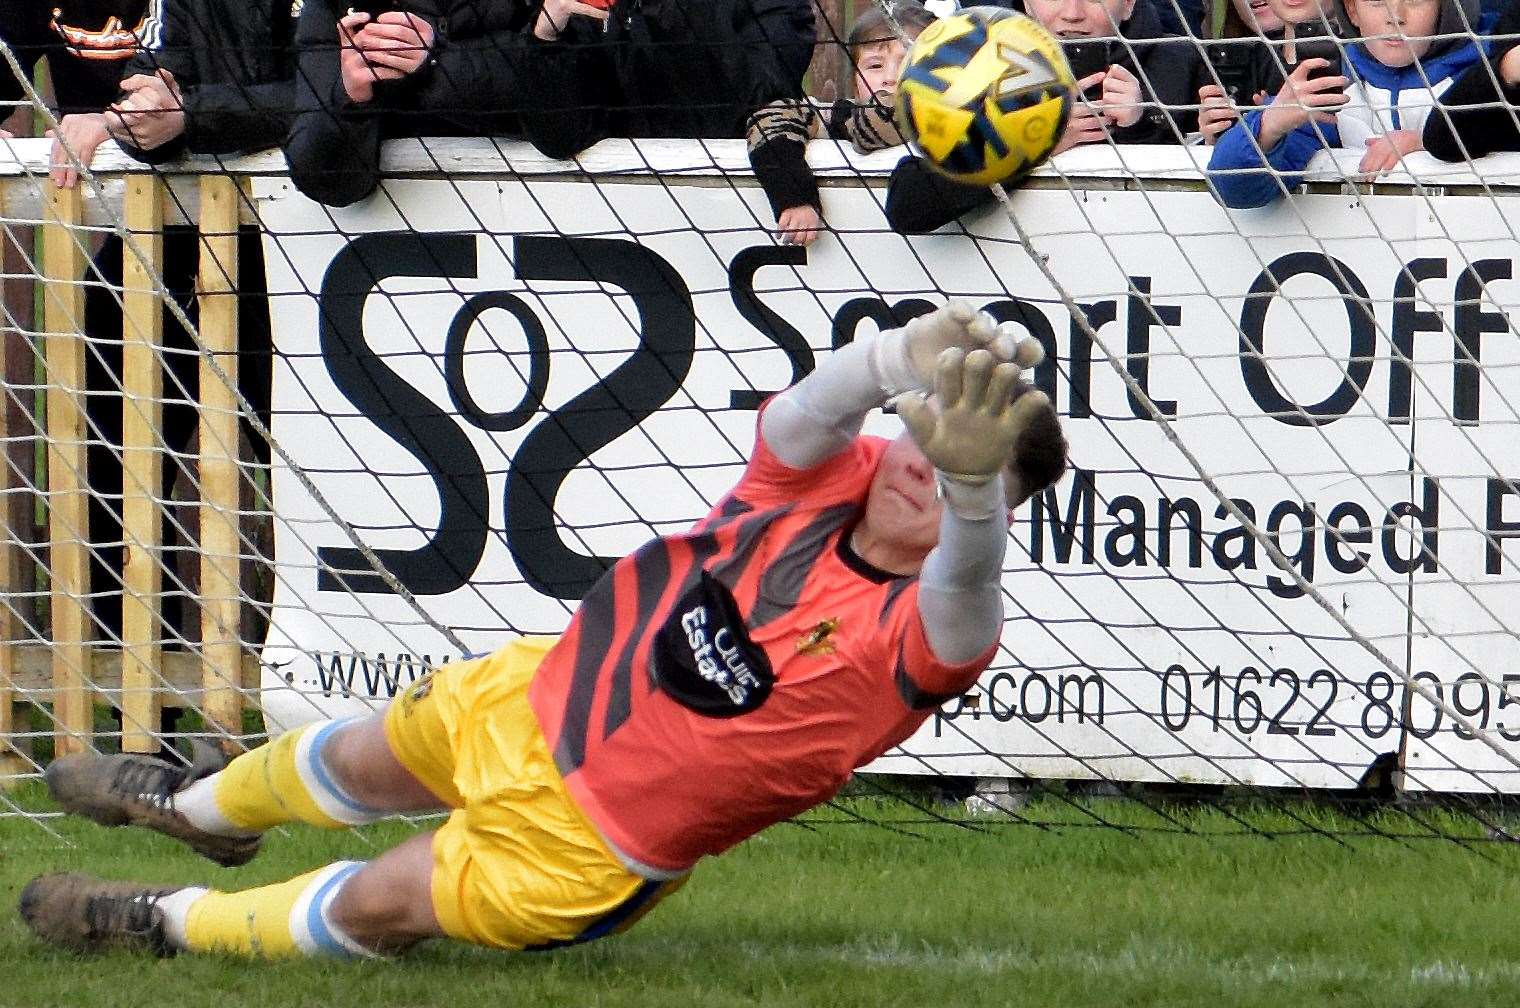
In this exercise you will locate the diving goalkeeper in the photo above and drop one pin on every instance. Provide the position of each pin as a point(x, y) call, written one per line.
point(713, 683)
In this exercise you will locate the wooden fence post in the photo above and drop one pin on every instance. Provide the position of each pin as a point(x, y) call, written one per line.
point(827, 75)
point(15, 514)
point(142, 464)
point(11, 762)
point(220, 473)
point(63, 268)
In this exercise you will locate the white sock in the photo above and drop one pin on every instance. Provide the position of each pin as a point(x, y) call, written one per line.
point(176, 910)
point(316, 933)
point(197, 803)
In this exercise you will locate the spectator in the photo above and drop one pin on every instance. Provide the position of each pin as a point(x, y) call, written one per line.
point(779, 132)
point(1236, 61)
point(1139, 86)
point(86, 47)
point(1474, 117)
point(356, 79)
point(1270, 38)
point(1144, 93)
point(363, 78)
point(672, 68)
point(218, 79)
point(565, 74)
point(85, 44)
point(1400, 69)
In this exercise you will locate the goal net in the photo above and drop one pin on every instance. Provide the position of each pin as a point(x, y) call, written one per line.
point(269, 461)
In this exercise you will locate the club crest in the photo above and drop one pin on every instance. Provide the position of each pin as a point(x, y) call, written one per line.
point(817, 640)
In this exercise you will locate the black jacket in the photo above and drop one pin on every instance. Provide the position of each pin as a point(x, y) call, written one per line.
point(85, 75)
point(234, 62)
point(1460, 126)
point(1170, 70)
point(920, 200)
point(675, 68)
point(670, 68)
point(1247, 66)
point(474, 82)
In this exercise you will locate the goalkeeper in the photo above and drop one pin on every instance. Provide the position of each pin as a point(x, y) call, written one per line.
point(713, 683)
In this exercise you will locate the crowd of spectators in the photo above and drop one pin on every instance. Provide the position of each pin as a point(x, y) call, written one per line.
point(1267, 88)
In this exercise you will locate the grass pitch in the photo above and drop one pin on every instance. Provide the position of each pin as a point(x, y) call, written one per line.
point(842, 913)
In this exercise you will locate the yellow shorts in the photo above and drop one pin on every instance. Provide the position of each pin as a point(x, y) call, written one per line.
point(517, 865)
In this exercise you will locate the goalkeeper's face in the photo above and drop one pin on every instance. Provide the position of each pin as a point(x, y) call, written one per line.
point(903, 503)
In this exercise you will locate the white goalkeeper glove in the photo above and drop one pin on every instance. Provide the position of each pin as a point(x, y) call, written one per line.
point(905, 359)
point(969, 431)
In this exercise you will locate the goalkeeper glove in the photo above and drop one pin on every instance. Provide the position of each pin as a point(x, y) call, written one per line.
point(905, 359)
point(969, 433)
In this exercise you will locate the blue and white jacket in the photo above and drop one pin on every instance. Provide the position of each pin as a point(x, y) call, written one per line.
point(1380, 99)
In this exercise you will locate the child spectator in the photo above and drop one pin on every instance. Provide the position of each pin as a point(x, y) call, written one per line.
point(1396, 75)
point(1142, 90)
point(1139, 86)
point(779, 132)
point(1473, 117)
point(1262, 41)
point(1235, 61)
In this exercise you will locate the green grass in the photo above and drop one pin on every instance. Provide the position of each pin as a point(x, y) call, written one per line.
point(844, 914)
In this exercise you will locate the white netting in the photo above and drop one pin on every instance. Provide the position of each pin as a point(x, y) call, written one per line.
point(1279, 562)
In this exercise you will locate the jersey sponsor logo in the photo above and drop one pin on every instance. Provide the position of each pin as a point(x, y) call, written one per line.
point(703, 657)
point(818, 641)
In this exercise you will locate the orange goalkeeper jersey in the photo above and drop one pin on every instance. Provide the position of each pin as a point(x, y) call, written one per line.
point(723, 679)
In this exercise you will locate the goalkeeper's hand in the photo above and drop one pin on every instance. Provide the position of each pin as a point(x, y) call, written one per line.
point(969, 432)
point(907, 358)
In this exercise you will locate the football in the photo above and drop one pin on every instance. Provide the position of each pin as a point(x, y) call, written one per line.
point(984, 95)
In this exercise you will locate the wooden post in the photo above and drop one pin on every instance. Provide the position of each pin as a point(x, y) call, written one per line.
point(15, 516)
point(63, 267)
point(142, 465)
point(221, 597)
point(828, 76)
point(11, 762)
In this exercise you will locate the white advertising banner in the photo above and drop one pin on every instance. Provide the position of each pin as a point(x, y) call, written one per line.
point(500, 386)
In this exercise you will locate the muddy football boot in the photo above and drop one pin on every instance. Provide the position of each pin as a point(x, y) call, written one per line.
point(130, 789)
point(86, 914)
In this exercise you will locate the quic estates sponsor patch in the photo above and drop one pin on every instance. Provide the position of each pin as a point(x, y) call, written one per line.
point(704, 658)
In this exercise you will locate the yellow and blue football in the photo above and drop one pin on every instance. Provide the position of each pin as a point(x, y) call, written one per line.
point(984, 95)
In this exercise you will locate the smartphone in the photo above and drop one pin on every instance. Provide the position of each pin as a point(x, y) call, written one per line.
point(1236, 63)
point(1320, 48)
point(1087, 57)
